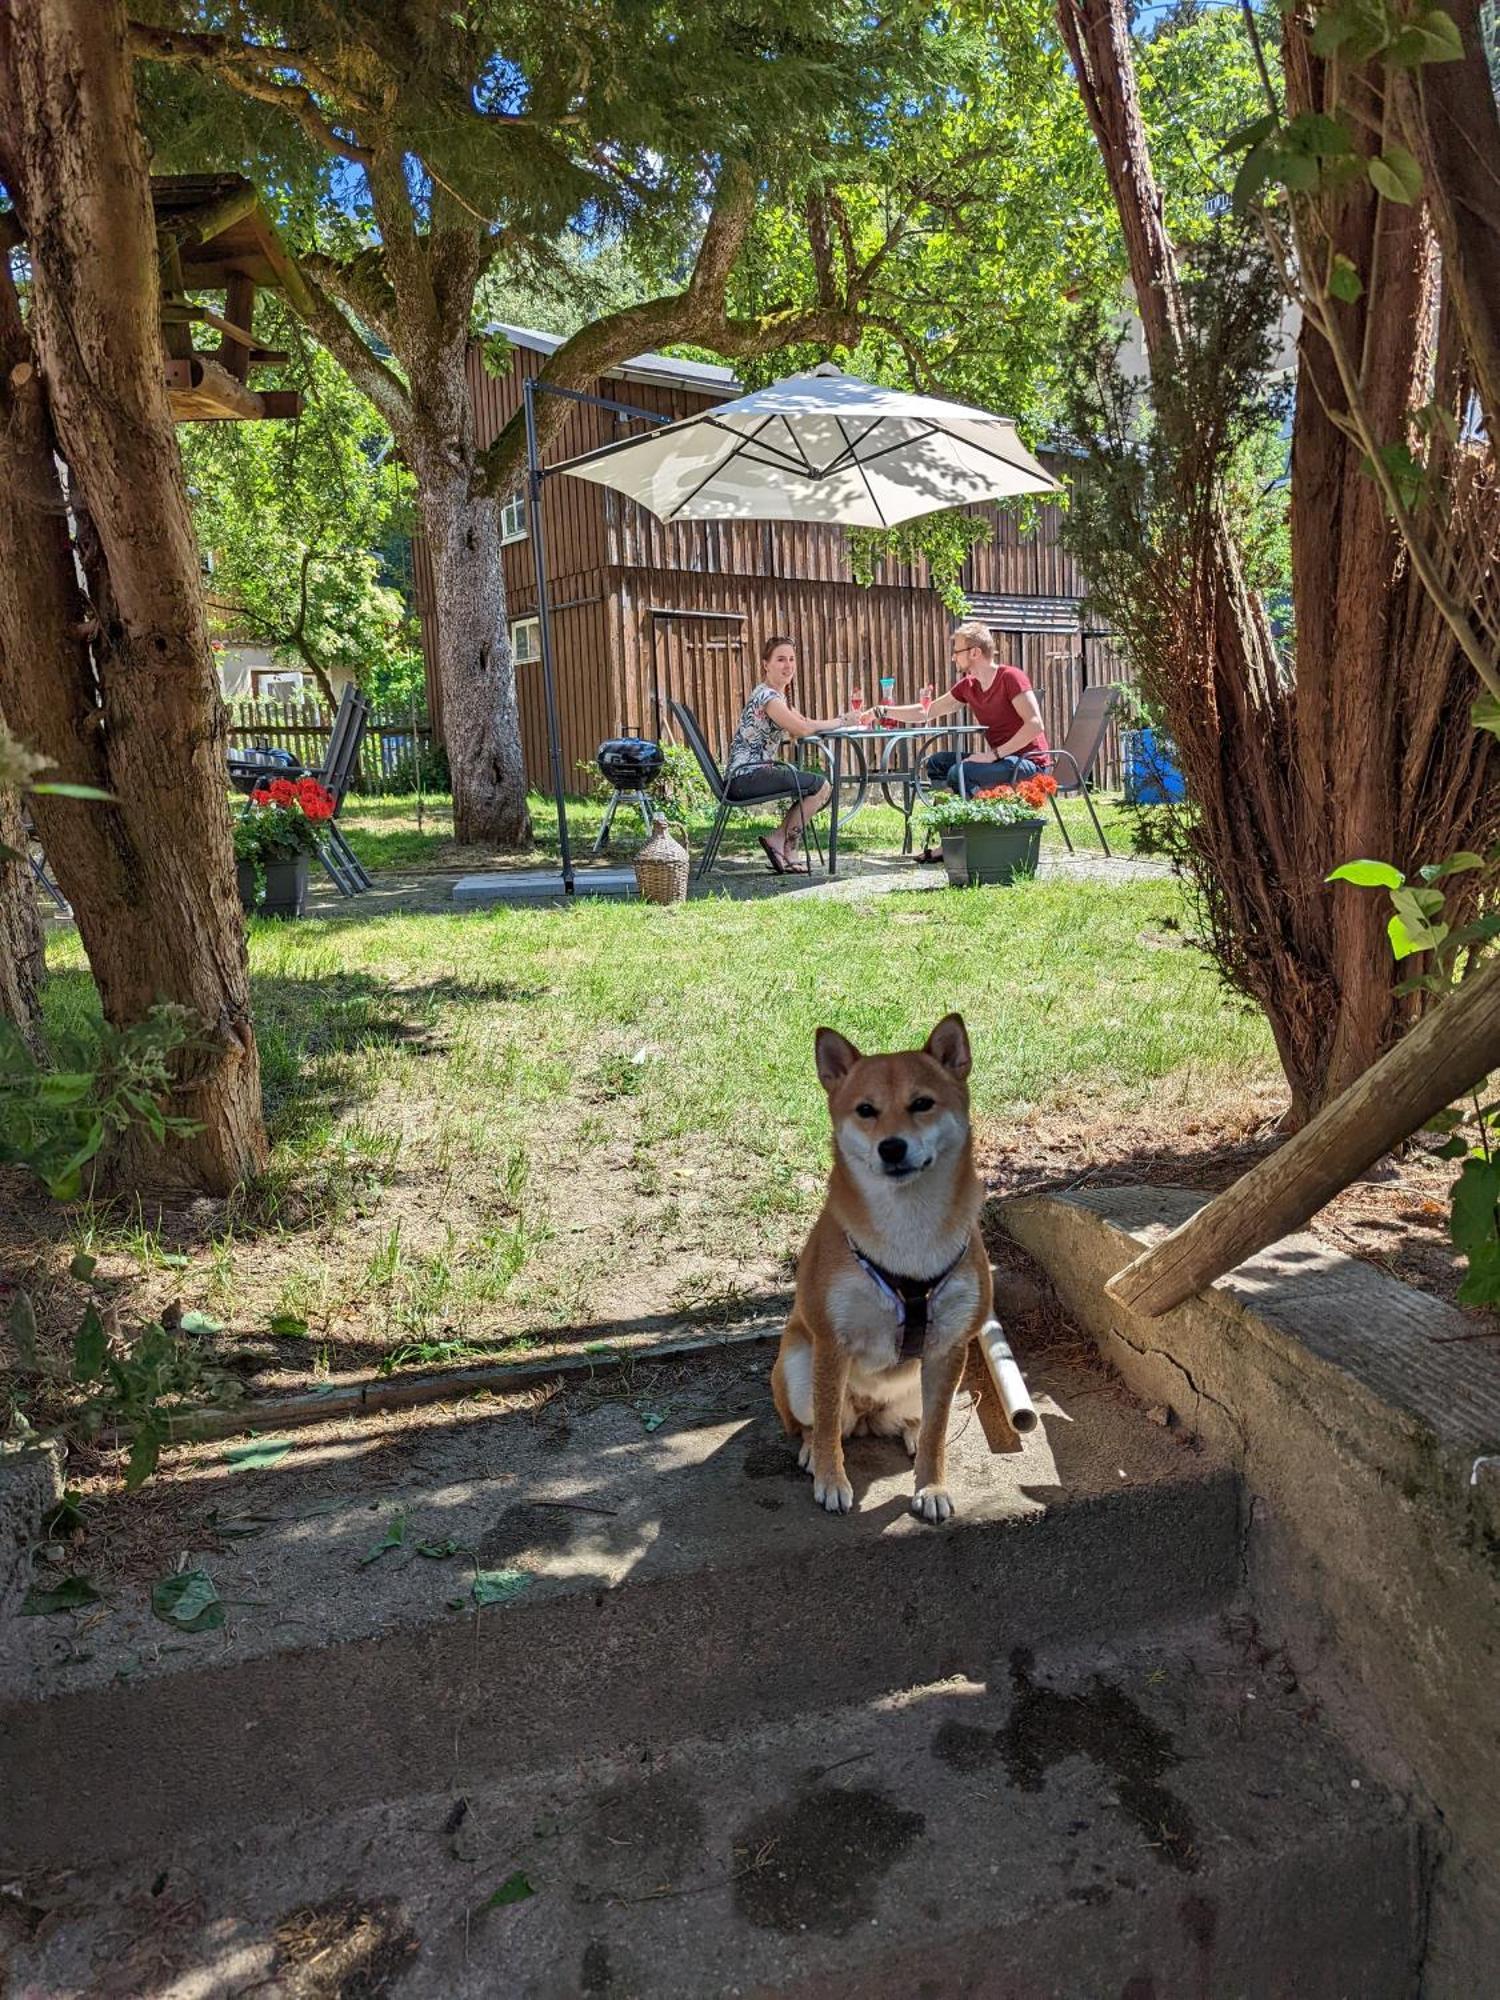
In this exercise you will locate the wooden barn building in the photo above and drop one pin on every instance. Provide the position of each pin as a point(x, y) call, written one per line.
point(644, 613)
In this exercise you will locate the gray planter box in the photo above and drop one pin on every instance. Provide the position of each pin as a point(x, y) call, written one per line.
point(286, 888)
point(992, 854)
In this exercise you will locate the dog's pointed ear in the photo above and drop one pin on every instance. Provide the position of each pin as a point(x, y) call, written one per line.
point(949, 1044)
point(836, 1056)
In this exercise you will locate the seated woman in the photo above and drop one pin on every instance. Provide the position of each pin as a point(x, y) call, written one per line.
point(752, 772)
point(1001, 698)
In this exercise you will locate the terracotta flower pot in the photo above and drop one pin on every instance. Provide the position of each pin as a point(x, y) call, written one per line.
point(992, 854)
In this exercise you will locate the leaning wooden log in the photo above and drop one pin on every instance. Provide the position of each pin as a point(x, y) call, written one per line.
point(1451, 1050)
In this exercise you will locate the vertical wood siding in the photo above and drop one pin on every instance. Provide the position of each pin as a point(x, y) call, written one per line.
point(615, 568)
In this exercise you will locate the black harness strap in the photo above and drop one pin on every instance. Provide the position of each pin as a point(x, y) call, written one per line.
point(912, 1298)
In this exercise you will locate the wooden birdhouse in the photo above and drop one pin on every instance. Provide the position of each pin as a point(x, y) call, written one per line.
point(213, 236)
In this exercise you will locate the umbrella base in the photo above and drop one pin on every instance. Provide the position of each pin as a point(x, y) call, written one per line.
point(541, 885)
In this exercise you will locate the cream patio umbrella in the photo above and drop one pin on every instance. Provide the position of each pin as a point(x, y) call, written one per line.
point(821, 447)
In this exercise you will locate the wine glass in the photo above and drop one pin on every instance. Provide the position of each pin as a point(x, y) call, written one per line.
point(857, 704)
point(925, 696)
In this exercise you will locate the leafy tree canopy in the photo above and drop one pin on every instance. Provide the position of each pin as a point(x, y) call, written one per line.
point(295, 516)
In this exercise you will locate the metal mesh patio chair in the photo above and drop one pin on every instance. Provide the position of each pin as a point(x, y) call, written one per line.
point(345, 740)
point(714, 778)
point(1073, 764)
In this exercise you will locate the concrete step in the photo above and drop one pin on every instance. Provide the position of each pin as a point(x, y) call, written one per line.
point(665, 1573)
point(1165, 1821)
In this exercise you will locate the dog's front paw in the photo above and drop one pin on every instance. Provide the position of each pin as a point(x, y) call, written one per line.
point(804, 1456)
point(834, 1495)
point(932, 1503)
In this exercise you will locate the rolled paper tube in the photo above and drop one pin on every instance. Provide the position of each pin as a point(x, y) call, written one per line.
point(1007, 1378)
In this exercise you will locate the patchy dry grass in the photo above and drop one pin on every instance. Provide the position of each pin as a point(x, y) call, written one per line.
point(490, 1126)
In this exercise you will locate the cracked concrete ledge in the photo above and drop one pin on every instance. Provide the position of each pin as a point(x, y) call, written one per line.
point(30, 1487)
point(1360, 1414)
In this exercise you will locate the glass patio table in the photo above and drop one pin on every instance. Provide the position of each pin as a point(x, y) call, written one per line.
point(844, 750)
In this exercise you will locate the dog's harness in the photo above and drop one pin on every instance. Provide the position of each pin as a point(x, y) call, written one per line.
point(911, 1298)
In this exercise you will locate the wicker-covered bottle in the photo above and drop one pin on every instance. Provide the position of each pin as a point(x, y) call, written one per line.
point(661, 866)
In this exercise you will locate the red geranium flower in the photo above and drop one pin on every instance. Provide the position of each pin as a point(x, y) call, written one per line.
point(281, 792)
point(315, 800)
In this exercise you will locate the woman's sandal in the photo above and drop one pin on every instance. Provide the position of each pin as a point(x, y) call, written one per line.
point(778, 866)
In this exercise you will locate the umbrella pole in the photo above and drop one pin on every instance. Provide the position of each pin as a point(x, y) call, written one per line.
point(544, 629)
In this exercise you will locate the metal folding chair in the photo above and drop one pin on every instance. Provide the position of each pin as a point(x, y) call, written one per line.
point(1080, 752)
point(345, 740)
point(714, 778)
point(37, 861)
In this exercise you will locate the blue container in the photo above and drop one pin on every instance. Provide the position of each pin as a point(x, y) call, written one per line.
point(1151, 774)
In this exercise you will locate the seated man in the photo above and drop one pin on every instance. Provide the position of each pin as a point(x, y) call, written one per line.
point(1000, 698)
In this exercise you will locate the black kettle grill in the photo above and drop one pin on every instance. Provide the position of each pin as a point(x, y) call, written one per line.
point(630, 764)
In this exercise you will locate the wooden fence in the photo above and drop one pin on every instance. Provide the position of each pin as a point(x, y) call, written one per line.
point(303, 727)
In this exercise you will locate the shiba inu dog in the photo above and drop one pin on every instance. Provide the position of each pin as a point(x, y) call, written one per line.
point(894, 1281)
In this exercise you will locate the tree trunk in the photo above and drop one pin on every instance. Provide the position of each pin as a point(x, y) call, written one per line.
point(119, 691)
point(1453, 125)
point(476, 673)
point(423, 305)
point(1368, 752)
point(20, 929)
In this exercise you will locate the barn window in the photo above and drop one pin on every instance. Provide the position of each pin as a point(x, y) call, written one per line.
point(513, 519)
point(525, 641)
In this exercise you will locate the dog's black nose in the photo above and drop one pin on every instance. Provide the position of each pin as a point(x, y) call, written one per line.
point(892, 1151)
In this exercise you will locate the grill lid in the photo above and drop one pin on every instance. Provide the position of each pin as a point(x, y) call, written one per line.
point(630, 757)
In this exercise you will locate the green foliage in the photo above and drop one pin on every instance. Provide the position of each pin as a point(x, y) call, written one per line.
point(1153, 460)
point(563, 286)
point(1316, 152)
point(18, 765)
point(269, 832)
point(72, 1593)
point(430, 764)
point(137, 1386)
point(943, 541)
point(976, 203)
point(133, 1385)
point(54, 1120)
point(190, 1600)
point(1001, 805)
point(1199, 80)
point(1421, 921)
point(56, 1116)
point(524, 122)
point(680, 785)
point(294, 515)
point(19, 769)
point(1422, 925)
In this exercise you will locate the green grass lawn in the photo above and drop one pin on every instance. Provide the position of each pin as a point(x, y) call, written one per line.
point(492, 1124)
point(384, 832)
